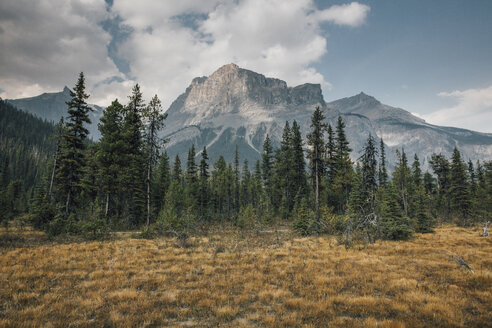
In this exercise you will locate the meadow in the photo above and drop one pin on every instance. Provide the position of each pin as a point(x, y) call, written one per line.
point(234, 278)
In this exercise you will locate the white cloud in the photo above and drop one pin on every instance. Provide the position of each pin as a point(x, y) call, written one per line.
point(275, 37)
point(473, 110)
point(352, 14)
point(45, 44)
point(48, 42)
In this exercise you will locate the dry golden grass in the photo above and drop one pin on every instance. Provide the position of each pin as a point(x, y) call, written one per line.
point(240, 280)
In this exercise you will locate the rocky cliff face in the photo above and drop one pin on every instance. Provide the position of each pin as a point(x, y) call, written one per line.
point(235, 106)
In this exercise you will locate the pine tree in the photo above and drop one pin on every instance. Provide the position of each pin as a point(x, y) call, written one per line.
point(459, 188)
point(177, 174)
point(203, 199)
point(394, 225)
point(369, 175)
point(383, 173)
point(73, 145)
point(344, 172)
point(416, 171)
point(237, 180)
point(316, 154)
point(330, 155)
point(163, 181)
point(154, 119)
point(402, 181)
point(110, 155)
point(191, 176)
point(267, 168)
point(246, 185)
point(299, 168)
point(440, 166)
point(133, 176)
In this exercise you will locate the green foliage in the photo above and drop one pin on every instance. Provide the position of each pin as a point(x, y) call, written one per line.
point(394, 225)
point(95, 228)
point(305, 222)
point(247, 218)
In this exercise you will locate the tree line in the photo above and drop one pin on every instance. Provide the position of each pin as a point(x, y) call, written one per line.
point(126, 180)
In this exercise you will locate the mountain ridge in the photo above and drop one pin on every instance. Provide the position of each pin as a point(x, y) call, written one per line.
point(236, 106)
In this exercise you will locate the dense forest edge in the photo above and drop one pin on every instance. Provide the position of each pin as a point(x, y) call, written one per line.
point(57, 180)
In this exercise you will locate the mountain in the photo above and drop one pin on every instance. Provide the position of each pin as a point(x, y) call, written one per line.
point(52, 106)
point(235, 106)
point(401, 129)
point(239, 107)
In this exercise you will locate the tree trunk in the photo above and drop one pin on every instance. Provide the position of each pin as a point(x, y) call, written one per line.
point(52, 177)
point(67, 204)
point(149, 169)
point(106, 210)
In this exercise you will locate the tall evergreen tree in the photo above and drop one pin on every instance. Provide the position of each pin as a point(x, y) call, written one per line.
point(154, 119)
point(440, 167)
point(267, 168)
point(383, 173)
point(163, 181)
point(316, 154)
point(459, 187)
point(203, 198)
point(73, 145)
point(191, 176)
point(344, 172)
point(402, 181)
point(237, 180)
point(177, 173)
point(299, 167)
point(133, 176)
point(110, 155)
point(369, 175)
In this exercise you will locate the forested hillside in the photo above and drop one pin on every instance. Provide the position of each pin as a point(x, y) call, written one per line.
point(126, 180)
point(26, 144)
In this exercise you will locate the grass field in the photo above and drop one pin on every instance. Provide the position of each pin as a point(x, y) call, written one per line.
point(236, 279)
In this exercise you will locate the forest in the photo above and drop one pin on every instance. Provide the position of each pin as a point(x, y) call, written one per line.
point(61, 182)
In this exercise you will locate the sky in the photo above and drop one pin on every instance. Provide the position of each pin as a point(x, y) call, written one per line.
point(432, 58)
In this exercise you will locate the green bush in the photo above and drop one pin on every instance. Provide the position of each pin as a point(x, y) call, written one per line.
point(305, 220)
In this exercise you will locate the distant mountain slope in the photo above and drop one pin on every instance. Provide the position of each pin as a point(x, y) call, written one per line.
point(235, 106)
point(25, 145)
point(401, 129)
point(52, 106)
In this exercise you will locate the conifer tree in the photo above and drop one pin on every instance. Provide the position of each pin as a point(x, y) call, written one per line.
point(299, 165)
point(316, 154)
point(344, 172)
point(237, 180)
point(459, 188)
point(440, 166)
point(154, 119)
point(369, 175)
point(246, 186)
point(73, 145)
point(177, 173)
point(191, 176)
point(163, 181)
point(133, 176)
point(330, 155)
point(203, 199)
point(267, 168)
point(383, 173)
point(110, 156)
point(402, 181)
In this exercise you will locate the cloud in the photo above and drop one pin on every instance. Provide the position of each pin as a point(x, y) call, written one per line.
point(352, 14)
point(473, 110)
point(165, 45)
point(45, 44)
point(275, 37)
